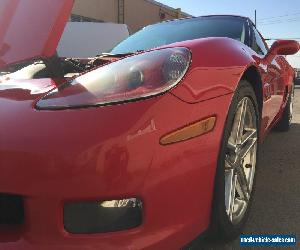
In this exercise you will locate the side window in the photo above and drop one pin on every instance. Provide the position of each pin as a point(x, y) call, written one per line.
point(259, 45)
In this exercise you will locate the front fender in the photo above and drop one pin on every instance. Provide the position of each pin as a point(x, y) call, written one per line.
point(216, 68)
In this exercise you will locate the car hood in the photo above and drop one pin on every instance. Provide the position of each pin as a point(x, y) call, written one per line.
point(25, 90)
point(31, 28)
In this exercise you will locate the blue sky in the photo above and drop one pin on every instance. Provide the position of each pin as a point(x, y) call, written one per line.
point(275, 18)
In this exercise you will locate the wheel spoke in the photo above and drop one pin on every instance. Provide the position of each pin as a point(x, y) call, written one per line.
point(231, 146)
point(236, 136)
point(242, 187)
point(241, 114)
point(230, 188)
point(228, 163)
point(247, 147)
point(250, 134)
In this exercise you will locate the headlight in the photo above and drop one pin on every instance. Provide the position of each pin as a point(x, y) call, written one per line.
point(139, 76)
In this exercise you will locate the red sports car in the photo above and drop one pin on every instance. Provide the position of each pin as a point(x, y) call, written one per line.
point(145, 147)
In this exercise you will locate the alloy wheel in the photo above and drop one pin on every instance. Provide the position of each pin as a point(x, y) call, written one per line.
point(240, 160)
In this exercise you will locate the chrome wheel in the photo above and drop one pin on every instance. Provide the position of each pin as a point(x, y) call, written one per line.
point(240, 160)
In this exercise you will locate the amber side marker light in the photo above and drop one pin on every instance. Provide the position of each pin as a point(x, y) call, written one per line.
point(190, 131)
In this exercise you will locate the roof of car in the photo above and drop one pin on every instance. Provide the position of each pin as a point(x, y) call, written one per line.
point(220, 15)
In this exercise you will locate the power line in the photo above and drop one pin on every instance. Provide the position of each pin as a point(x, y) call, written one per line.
point(274, 17)
point(279, 21)
point(287, 38)
point(292, 17)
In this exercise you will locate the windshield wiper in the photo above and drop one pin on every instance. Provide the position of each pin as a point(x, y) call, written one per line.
point(114, 55)
point(119, 54)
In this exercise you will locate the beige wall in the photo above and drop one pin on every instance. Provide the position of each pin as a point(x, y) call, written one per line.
point(106, 10)
point(138, 13)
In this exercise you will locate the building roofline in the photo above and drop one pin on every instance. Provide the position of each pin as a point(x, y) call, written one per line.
point(168, 7)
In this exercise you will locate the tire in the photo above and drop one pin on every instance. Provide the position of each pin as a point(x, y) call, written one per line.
point(226, 223)
point(285, 122)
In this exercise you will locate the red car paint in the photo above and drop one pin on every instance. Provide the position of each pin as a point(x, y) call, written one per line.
point(113, 152)
point(30, 29)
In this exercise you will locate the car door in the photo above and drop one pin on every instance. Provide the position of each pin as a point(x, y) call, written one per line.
point(273, 84)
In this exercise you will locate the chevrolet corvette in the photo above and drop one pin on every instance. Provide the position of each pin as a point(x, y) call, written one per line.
point(147, 146)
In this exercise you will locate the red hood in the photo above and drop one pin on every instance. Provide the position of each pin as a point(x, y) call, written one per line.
point(31, 28)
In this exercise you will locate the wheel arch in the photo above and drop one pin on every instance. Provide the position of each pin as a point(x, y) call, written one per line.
point(252, 75)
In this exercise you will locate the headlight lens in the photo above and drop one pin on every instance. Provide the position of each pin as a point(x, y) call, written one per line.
point(131, 78)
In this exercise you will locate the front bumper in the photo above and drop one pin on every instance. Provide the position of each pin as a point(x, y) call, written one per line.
point(54, 157)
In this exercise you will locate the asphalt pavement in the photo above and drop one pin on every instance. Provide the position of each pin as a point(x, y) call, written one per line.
point(276, 205)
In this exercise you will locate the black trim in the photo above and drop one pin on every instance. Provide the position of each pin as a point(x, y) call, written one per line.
point(90, 217)
point(253, 39)
point(11, 209)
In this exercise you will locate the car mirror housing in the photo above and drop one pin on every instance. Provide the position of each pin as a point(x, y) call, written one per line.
point(284, 47)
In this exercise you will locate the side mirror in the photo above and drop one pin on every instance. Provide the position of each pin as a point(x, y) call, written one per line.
point(284, 47)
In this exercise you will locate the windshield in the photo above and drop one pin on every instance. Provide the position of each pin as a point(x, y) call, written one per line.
point(165, 33)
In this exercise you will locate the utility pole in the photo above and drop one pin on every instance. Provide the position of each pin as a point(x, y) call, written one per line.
point(255, 18)
point(121, 11)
